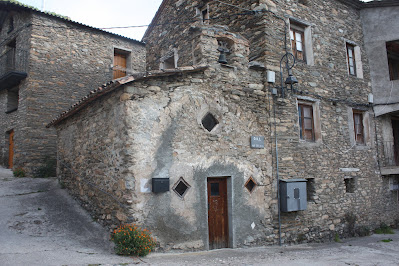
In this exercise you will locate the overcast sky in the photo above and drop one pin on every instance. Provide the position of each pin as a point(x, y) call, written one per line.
point(104, 13)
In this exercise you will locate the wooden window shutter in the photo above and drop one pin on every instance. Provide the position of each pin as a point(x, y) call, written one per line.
point(298, 44)
point(306, 122)
point(119, 65)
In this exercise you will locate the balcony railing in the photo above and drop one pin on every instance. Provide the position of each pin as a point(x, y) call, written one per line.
point(13, 67)
point(391, 154)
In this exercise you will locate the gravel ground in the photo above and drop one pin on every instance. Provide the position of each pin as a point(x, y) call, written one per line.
point(40, 224)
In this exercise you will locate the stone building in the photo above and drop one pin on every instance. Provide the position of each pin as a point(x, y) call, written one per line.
point(380, 24)
point(213, 147)
point(48, 62)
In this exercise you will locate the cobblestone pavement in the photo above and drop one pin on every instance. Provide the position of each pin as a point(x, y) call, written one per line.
point(40, 224)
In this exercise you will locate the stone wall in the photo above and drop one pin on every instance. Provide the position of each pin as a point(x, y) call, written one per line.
point(165, 137)
point(66, 61)
point(93, 159)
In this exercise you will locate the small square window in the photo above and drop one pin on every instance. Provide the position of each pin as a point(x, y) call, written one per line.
point(349, 185)
point(181, 187)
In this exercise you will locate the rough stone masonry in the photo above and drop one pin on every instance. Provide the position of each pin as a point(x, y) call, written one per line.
point(155, 125)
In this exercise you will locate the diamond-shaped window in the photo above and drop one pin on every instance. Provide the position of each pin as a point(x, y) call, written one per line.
point(181, 187)
point(250, 184)
point(209, 122)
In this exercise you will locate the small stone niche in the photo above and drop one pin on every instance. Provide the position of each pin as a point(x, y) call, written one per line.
point(349, 185)
point(181, 187)
point(310, 189)
point(209, 122)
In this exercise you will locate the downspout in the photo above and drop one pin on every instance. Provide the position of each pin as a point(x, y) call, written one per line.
point(278, 176)
point(275, 131)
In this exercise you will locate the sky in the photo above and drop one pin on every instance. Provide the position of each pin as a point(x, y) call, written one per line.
point(104, 13)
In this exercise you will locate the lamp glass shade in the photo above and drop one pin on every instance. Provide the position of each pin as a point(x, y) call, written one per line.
point(291, 80)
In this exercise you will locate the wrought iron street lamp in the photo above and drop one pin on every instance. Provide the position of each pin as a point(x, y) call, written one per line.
point(291, 79)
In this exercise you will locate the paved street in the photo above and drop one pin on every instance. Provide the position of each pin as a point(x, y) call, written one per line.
point(40, 224)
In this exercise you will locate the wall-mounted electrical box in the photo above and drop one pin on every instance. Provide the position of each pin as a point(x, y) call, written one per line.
point(293, 195)
point(271, 76)
point(160, 185)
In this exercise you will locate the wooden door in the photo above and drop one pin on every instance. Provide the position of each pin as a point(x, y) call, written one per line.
point(119, 65)
point(217, 213)
point(11, 150)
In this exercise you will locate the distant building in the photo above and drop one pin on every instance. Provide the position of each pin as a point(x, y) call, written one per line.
point(211, 147)
point(48, 62)
point(380, 25)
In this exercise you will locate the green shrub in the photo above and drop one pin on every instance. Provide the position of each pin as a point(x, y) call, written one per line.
point(132, 240)
point(336, 238)
point(48, 168)
point(384, 229)
point(19, 172)
point(387, 240)
point(363, 231)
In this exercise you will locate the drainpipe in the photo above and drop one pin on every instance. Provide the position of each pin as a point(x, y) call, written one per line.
point(278, 176)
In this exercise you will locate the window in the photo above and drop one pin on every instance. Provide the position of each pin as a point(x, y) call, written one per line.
point(250, 184)
point(181, 187)
point(310, 189)
point(205, 15)
point(301, 41)
point(202, 12)
point(358, 126)
point(350, 53)
point(393, 59)
point(297, 37)
point(353, 59)
point(121, 62)
point(306, 123)
point(349, 185)
point(169, 61)
point(12, 100)
point(209, 122)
